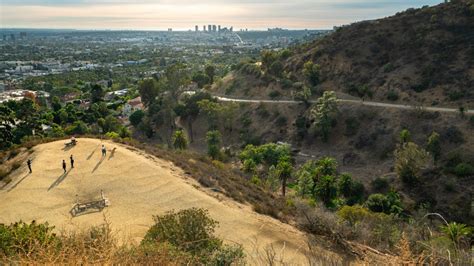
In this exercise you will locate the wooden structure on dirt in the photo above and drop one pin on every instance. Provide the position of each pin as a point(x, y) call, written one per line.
point(90, 207)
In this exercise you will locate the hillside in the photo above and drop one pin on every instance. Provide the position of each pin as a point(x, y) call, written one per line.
point(138, 186)
point(423, 56)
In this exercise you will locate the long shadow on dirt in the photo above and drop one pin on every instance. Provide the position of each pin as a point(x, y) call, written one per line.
point(16, 184)
point(59, 180)
point(112, 153)
point(98, 164)
point(92, 153)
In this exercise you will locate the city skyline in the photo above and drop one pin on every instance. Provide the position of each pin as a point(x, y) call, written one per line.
point(185, 14)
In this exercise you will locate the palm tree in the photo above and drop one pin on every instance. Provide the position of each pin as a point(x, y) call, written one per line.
point(455, 232)
point(284, 170)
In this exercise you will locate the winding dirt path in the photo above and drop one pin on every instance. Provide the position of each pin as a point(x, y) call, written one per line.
point(367, 103)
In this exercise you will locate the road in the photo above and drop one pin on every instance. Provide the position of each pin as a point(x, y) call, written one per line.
point(367, 103)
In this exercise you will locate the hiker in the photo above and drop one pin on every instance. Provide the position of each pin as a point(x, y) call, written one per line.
point(29, 165)
point(64, 166)
point(104, 151)
point(73, 140)
point(72, 161)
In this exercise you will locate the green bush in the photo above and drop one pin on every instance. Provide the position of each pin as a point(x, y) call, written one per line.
point(274, 94)
point(392, 95)
point(112, 135)
point(464, 169)
point(379, 184)
point(23, 238)
point(352, 126)
point(192, 231)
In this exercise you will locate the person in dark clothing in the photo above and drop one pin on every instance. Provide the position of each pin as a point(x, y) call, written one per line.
point(29, 165)
point(104, 151)
point(64, 166)
point(72, 161)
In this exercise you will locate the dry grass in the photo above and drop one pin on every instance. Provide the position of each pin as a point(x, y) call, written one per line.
point(96, 245)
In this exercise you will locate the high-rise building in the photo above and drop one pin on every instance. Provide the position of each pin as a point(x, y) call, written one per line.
point(214, 28)
point(196, 28)
point(12, 37)
point(231, 28)
point(219, 28)
point(209, 28)
point(204, 28)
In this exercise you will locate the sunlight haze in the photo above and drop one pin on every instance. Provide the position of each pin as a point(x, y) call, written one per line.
point(184, 14)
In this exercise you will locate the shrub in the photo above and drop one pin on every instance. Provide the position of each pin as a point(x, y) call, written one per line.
point(281, 121)
point(379, 184)
point(389, 203)
point(353, 214)
point(409, 160)
point(392, 95)
point(179, 139)
point(192, 231)
point(377, 203)
point(136, 117)
point(77, 128)
point(124, 132)
point(112, 135)
point(25, 238)
point(274, 94)
point(352, 126)
point(453, 135)
point(213, 139)
point(464, 169)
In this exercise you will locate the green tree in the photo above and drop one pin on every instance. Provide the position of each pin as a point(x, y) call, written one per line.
point(149, 90)
point(136, 117)
point(7, 122)
point(405, 136)
point(268, 57)
point(111, 124)
point(456, 232)
point(312, 72)
point(56, 103)
point(201, 79)
point(284, 170)
point(433, 146)
point(180, 141)
point(77, 128)
point(212, 111)
point(213, 139)
point(276, 69)
point(326, 189)
point(323, 113)
point(190, 109)
point(97, 93)
point(210, 72)
point(310, 173)
point(409, 160)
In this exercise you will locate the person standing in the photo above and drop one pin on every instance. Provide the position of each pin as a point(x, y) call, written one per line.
point(104, 151)
point(29, 165)
point(72, 161)
point(64, 166)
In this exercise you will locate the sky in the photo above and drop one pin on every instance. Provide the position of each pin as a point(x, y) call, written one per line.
point(184, 14)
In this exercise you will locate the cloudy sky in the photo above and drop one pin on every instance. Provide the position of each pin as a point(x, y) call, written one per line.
point(184, 14)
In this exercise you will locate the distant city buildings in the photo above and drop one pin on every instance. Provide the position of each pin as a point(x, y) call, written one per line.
point(214, 28)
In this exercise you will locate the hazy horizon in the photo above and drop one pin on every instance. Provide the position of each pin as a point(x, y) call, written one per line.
point(185, 14)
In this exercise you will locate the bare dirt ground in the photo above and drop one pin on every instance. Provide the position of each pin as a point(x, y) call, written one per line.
point(138, 186)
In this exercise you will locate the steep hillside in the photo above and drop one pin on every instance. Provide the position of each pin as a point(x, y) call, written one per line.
point(138, 186)
point(420, 56)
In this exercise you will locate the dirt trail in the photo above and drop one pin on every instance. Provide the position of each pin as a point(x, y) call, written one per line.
point(351, 101)
point(138, 186)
